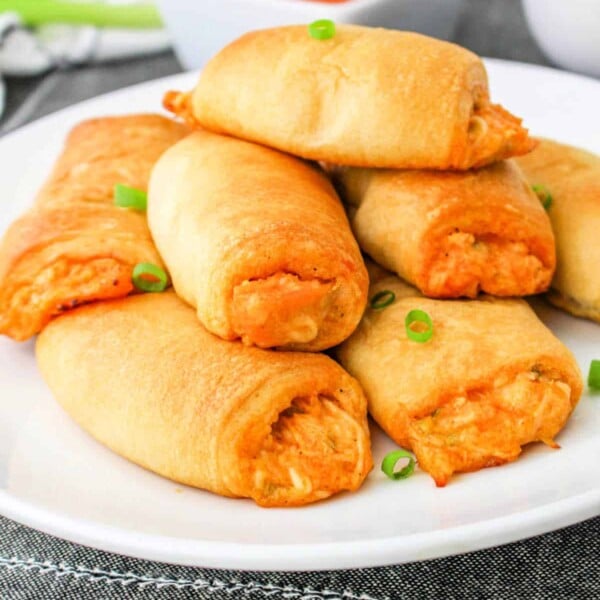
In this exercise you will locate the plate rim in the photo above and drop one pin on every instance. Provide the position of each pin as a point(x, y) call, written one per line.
point(308, 557)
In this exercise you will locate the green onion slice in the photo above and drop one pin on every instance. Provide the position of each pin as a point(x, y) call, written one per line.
point(147, 277)
point(323, 29)
point(382, 299)
point(594, 375)
point(128, 197)
point(389, 462)
point(543, 194)
point(418, 316)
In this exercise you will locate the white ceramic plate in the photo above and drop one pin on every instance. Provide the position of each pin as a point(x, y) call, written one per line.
point(57, 479)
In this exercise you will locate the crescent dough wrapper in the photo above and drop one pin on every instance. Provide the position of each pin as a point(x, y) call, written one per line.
point(491, 379)
point(453, 234)
point(258, 242)
point(147, 380)
point(572, 177)
point(366, 97)
point(74, 245)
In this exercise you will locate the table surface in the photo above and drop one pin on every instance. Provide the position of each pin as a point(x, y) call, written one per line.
point(561, 564)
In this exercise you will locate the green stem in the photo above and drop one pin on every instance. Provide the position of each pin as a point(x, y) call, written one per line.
point(39, 12)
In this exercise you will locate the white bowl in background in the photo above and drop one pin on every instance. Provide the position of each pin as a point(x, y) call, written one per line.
point(567, 31)
point(199, 29)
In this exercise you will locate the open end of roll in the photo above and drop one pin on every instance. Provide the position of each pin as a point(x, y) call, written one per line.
point(313, 450)
point(59, 287)
point(179, 103)
point(494, 133)
point(467, 264)
point(485, 428)
point(280, 310)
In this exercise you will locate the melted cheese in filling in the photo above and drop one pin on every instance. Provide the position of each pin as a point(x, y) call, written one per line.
point(314, 450)
point(467, 264)
point(488, 427)
point(279, 310)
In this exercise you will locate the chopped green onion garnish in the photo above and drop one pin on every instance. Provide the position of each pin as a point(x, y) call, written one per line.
point(382, 299)
point(594, 375)
point(418, 316)
point(389, 462)
point(128, 197)
point(543, 194)
point(323, 29)
point(149, 278)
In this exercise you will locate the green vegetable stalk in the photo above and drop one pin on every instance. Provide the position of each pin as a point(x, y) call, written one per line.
point(40, 12)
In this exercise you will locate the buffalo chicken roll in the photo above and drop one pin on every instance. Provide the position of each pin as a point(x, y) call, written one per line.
point(143, 377)
point(453, 234)
point(258, 242)
point(75, 245)
point(365, 97)
point(490, 379)
point(568, 180)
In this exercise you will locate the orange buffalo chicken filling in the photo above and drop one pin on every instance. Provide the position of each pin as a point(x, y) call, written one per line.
point(59, 287)
point(468, 263)
point(280, 310)
point(314, 450)
point(488, 427)
point(495, 134)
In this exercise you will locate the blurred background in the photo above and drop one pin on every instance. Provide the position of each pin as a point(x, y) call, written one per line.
point(56, 53)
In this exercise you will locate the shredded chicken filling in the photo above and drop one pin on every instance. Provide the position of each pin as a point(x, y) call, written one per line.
point(315, 448)
point(488, 427)
point(494, 132)
point(467, 264)
point(61, 286)
point(279, 310)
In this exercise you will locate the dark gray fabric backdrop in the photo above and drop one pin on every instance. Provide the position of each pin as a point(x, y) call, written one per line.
point(564, 564)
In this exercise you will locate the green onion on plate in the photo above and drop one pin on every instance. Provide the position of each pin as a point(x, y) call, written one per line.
point(594, 375)
point(388, 464)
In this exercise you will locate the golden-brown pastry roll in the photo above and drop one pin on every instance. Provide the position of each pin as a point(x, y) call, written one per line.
point(258, 242)
point(571, 177)
point(145, 378)
point(101, 152)
point(366, 97)
point(75, 245)
point(491, 379)
point(453, 234)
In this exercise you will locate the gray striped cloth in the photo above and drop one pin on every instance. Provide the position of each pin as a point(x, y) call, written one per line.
point(561, 565)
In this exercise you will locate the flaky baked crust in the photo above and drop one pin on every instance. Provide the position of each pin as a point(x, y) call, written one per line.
point(453, 234)
point(572, 177)
point(366, 97)
point(258, 242)
point(145, 378)
point(491, 379)
point(74, 245)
